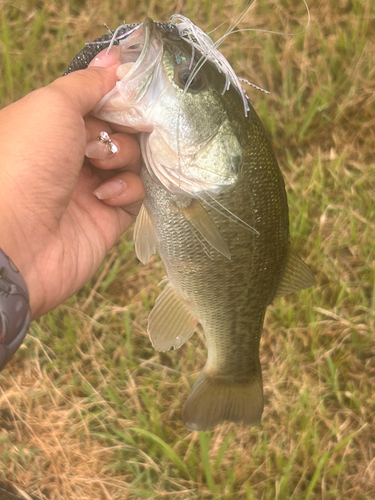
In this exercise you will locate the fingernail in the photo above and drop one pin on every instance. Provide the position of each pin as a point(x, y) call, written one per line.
point(105, 60)
point(100, 150)
point(109, 190)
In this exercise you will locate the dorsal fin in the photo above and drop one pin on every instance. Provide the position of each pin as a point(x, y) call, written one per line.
point(145, 239)
point(296, 276)
point(203, 223)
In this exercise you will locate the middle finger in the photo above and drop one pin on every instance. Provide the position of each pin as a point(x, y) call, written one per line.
point(127, 156)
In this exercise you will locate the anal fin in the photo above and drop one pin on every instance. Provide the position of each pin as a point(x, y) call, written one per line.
point(145, 239)
point(170, 323)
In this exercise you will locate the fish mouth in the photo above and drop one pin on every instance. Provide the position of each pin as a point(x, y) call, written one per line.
point(148, 27)
point(139, 55)
point(141, 59)
point(142, 51)
point(134, 49)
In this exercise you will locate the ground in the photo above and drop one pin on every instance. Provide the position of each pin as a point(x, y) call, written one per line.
point(88, 409)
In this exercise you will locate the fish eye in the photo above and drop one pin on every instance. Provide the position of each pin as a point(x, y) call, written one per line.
point(196, 83)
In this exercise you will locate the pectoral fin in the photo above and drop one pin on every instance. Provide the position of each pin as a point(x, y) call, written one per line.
point(145, 239)
point(170, 323)
point(204, 224)
point(297, 275)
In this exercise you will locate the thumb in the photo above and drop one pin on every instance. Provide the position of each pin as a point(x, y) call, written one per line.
point(86, 87)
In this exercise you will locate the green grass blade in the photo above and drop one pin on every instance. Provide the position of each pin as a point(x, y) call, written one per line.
point(170, 453)
point(204, 441)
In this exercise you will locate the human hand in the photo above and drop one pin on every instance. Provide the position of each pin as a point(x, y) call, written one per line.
point(52, 225)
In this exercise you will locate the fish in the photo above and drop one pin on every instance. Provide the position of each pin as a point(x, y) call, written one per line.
point(215, 209)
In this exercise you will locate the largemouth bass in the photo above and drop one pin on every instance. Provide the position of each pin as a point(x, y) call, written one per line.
point(215, 210)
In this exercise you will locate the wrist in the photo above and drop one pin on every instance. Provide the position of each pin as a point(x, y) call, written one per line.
point(14, 309)
point(22, 257)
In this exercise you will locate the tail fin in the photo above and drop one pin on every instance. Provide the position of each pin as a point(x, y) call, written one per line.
point(214, 399)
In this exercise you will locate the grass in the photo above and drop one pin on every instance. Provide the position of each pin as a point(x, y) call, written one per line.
point(90, 411)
